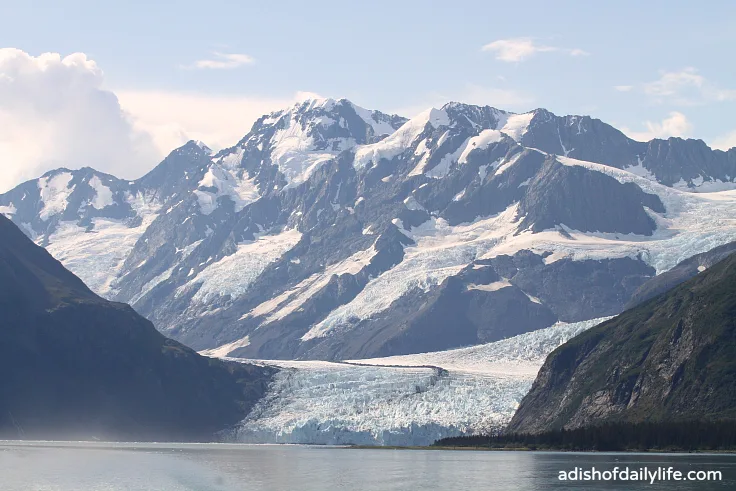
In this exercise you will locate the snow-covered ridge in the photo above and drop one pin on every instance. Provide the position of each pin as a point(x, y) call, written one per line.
point(400, 140)
point(313, 132)
point(455, 169)
point(402, 400)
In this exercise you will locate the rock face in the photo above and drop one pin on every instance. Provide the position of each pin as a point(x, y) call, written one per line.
point(331, 231)
point(77, 366)
point(671, 358)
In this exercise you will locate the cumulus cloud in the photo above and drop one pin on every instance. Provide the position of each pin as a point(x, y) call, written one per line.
point(675, 124)
point(623, 88)
point(519, 49)
point(54, 112)
point(173, 118)
point(686, 87)
point(223, 61)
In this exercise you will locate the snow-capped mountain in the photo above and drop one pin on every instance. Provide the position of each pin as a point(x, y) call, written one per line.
point(334, 232)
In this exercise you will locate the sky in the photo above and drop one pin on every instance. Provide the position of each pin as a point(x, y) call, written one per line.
point(117, 85)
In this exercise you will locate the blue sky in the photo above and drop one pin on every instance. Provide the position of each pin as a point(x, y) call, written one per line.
point(207, 69)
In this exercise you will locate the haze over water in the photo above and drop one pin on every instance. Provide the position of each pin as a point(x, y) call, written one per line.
point(213, 467)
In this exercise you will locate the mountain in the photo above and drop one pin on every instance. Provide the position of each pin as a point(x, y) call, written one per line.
point(673, 358)
point(679, 274)
point(77, 366)
point(335, 232)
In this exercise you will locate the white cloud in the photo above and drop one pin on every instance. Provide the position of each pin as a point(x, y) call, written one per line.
point(725, 142)
point(676, 124)
point(674, 83)
point(623, 88)
point(686, 87)
point(577, 52)
point(519, 49)
point(173, 118)
point(54, 112)
point(223, 61)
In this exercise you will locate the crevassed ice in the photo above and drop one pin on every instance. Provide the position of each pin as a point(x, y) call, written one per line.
point(498, 356)
point(292, 299)
point(441, 251)
point(97, 258)
point(693, 223)
point(232, 275)
point(311, 286)
point(336, 403)
point(182, 254)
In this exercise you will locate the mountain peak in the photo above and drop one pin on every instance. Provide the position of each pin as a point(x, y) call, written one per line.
point(195, 145)
point(318, 102)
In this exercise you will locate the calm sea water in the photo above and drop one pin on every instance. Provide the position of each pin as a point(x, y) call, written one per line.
point(172, 467)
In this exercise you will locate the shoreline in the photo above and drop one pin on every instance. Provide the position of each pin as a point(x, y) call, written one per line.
point(551, 450)
point(128, 445)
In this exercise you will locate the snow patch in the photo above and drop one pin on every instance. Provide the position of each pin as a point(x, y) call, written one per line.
point(241, 190)
point(480, 142)
point(412, 204)
point(380, 127)
point(103, 194)
point(55, 192)
point(8, 210)
point(226, 349)
point(517, 125)
point(491, 287)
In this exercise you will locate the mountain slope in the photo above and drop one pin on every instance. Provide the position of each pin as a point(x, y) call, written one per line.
point(680, 273)
point(331, 231)
point(77, 366)
point(671, 358)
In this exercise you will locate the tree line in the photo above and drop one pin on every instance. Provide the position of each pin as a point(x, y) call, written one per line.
point(614, 436)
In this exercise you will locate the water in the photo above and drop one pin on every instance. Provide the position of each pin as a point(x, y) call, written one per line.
point(191, 467)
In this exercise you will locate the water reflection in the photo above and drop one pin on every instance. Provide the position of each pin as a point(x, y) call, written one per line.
point(106, 467)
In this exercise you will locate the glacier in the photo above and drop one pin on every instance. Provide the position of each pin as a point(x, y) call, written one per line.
point(409, 400)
